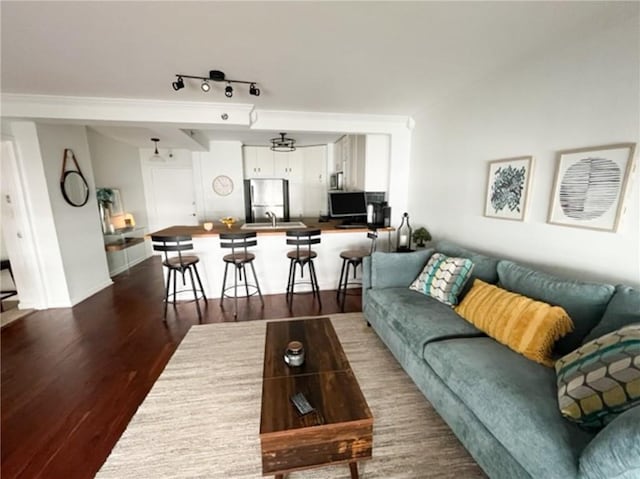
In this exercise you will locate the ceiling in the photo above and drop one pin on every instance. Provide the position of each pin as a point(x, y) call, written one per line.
point(395, 58)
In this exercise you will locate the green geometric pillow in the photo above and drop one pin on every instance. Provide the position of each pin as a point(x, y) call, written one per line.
point(601, 378)
point(443, 278)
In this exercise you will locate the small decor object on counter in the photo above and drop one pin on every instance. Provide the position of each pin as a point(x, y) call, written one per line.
point(294, 354)
point(404, 234)
point(229, 221)
point(420, 236)
point(208, 226)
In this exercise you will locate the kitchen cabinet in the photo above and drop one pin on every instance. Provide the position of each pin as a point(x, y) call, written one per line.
point(289, 165)
point(258, 162)
point(315, 180)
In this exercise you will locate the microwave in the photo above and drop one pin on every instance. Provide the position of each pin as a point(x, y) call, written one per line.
point(336, 181)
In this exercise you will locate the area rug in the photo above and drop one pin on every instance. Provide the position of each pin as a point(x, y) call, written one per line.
point(201, 419)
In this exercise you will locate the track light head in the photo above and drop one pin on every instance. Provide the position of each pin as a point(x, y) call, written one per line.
point(205, 86)
point(178, 84)
point(228, 91)
point(253, 90)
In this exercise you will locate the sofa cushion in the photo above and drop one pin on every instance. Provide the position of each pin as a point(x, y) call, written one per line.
point(585, 302)
point(623, 309)
point(484, 267)
point(528, 327)
point(390, 270)
point(417, 318)
point(615, 451)
point(443, 278)
point(601, 379)
point(515, 399)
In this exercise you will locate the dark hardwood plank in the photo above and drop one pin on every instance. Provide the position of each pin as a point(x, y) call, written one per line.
point(72, 378)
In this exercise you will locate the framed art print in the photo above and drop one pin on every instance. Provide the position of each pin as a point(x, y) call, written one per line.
point(590, 186)
point(508, 185)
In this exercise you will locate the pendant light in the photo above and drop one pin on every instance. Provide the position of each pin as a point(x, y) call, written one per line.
point(156, 157)
point(283, 143)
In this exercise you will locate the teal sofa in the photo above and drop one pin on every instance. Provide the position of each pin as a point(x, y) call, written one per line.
point(502, 406)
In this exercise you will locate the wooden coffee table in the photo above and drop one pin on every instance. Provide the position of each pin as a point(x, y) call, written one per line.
point(341, 431)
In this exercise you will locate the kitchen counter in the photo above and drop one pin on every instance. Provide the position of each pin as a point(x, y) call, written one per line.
point(312, 223)
point(271, 263)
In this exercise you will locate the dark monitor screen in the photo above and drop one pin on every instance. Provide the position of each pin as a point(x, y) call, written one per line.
point(349, 203)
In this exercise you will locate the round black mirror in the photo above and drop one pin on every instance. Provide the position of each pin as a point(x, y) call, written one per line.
point(74, 188)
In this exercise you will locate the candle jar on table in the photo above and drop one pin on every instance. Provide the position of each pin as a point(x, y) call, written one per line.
point(404, 234)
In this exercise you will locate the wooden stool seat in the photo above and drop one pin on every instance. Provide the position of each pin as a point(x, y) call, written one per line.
point(179, 264)
point(354, 254)
point(238, 258)
point(302, 255)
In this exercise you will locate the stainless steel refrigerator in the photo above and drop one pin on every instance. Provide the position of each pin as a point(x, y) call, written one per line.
point(262, 195)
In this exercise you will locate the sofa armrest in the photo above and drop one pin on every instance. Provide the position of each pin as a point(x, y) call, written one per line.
point(394, 270)
point(615, 451)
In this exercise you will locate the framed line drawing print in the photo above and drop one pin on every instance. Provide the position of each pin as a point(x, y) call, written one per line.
point(590, 186)
point(508, 185)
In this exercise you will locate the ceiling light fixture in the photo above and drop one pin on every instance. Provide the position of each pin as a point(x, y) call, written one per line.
point(283, 144)
point(178, 84)
point(156, 157)
point(217, 76)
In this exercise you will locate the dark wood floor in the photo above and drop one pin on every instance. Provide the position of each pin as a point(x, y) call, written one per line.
point(73, 378)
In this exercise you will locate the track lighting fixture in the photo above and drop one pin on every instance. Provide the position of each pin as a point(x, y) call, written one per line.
point(283, 144)
point(156, 156)
point(178, 84)
point(214, 76)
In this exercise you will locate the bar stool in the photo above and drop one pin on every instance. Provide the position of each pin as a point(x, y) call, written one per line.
point(239, 257)
point(179, 264)
point(353, 257)
point(302, 255)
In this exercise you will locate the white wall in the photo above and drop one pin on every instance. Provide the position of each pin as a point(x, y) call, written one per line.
point(117, 165)
point(78, 229)
point(576, 95)
point(223, 158)
point(45, 284)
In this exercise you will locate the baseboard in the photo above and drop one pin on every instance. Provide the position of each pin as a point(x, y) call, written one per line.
point(91, 292)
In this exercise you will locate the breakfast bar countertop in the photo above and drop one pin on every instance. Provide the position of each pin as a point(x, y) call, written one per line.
point(312, 223)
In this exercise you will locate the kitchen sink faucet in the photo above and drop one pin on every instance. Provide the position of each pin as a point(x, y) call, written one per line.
point(272, 216)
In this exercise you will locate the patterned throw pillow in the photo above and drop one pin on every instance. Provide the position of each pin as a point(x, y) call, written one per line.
point(601, 378)
point(529, 327)
point(443, 278)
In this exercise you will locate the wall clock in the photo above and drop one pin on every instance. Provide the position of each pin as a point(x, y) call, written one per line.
point(222, 185)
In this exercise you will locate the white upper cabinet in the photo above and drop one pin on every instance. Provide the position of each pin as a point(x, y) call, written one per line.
point(258, 162)
point(289, 165)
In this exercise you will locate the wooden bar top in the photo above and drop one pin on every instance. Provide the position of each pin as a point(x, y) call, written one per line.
point(311, 223)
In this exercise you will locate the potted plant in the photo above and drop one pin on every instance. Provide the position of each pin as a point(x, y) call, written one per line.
point(105, 200)
point(420, 236)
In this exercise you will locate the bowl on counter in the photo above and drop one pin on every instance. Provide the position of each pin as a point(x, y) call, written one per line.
point(228, 221)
